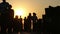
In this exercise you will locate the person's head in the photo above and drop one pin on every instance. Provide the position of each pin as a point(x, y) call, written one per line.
point(10, 6)
point(24, 17)
point(16, 17)
point(4, 0)
point(20, 16)
point(34, 14)
point(29, 14)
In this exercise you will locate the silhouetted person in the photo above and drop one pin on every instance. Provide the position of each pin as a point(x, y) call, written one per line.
point(11, 12)
point(20, 24)
point(20, 19)
point(11, 17)
point(4, 4)
point(34, 19)
point(25, 24)
point(29, 18)
point(39, 24)
point(4, 15)
point(16, 22)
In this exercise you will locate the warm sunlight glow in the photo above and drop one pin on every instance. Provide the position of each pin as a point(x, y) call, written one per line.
point(20, 12)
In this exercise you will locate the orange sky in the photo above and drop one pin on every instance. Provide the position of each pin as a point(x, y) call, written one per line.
point(30, 6)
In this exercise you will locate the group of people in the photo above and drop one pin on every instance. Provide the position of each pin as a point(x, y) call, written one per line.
point(28, 21)
point(6, 16)
point(7, 20)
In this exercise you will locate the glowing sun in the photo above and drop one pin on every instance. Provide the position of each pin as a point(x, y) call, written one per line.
point(19, 12)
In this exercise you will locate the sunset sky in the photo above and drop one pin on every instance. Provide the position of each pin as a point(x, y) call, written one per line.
point(30, 6)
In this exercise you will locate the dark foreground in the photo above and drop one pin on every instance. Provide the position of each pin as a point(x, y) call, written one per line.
point(23, 33)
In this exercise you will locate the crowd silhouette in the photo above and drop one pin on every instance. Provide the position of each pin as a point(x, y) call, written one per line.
point(49, 24)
